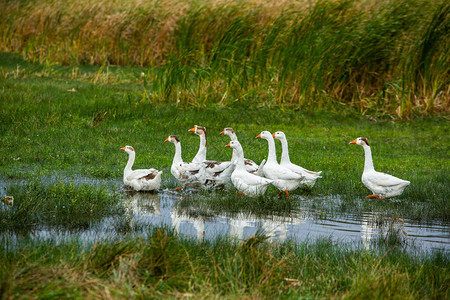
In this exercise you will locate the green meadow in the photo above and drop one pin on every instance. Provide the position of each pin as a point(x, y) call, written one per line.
point(78, 81)
point(55, 124)
point(57, 128)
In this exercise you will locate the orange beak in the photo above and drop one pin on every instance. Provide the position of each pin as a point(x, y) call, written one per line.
point(123, 148)
point(353, 142)
point(273, 134)
point(193, 129)
point(222, 133)
point(227, 146)
point(258, 136)
point(166, 140)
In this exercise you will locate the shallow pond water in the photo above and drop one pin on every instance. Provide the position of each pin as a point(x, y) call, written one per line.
point(303, 224)
point(147, 210)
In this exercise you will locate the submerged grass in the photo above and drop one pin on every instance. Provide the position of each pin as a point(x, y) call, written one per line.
point(166, 265)
point(375, 57)
point(64, 205)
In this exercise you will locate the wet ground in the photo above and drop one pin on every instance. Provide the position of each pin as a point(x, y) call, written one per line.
point(147, 210)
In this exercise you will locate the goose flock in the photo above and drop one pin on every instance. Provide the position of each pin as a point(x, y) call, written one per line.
point(248, 177)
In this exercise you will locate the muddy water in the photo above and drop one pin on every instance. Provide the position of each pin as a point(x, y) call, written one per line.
point(146, 210)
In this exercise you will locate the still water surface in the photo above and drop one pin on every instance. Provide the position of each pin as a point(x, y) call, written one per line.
point(146, 210)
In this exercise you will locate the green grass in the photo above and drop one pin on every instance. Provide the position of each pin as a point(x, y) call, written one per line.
point(375, 57)
point(61, 124)
point(47, 129)
point(165, 265)
point(60, 204)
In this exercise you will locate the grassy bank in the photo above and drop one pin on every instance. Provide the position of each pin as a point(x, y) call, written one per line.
point(62, 204)
point(374, 57)
point(54, 122)
point(165, 265)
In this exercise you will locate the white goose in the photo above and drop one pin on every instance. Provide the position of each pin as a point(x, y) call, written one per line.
point(142, 179)
point(381, 184)
point(283, 178)
point(250, 165)
point(218, 173)
point(247, 183)
point(310, 176)
point(189, 174)
point(201, 154)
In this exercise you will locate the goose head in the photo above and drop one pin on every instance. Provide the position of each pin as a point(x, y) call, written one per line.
point(279, 135)
point(173, 139)
point(128, 149)
point(360, 141)
point(198, 130)
point(264, 135)
point(233, 144)
point(228, 131)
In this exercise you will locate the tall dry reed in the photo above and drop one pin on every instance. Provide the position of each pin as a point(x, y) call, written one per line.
point(376, 56)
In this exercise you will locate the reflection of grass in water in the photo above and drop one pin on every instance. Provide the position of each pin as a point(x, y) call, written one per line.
point(229, 202)
point(393, 235)
point(61, 204)
point(207, 203)
point(166, 265)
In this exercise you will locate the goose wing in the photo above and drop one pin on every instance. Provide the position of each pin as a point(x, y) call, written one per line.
point(256, 180)
point(301, 170)
point(191, 168)
point(281, 172)
point(251, 179)
point(259, 171)
point(383, 179)
point(250, 165)
point(212, 166)
point(138, 174)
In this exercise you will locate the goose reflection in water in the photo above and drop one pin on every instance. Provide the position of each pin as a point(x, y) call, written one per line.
point(243, 225)
point(147, 209)
point(143, 204)
point(181, 220)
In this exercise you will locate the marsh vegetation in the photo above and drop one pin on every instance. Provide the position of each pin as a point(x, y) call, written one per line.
point(376, 57)
point(61, 161)
point(80, 81)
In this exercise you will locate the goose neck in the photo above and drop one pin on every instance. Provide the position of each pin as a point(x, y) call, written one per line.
point(285, 151)
point(238, 153)
point(368, 162)
point(177, 157)
point(201, 153)
point(131, 158)
point(234, 156)
point(272, 156)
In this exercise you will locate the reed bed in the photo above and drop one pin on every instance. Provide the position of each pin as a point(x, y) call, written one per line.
point(378, 57)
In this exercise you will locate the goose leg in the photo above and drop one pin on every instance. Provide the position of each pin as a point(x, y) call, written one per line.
point(373, 197)
point(286, 191)
point(179, 188)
